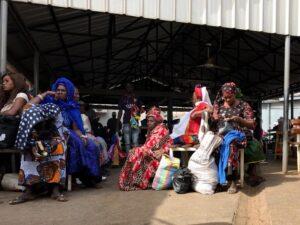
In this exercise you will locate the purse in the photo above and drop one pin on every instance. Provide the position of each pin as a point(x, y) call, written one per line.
point(8, 130)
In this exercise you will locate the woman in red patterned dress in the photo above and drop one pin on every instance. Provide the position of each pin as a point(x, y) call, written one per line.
point(142, 162)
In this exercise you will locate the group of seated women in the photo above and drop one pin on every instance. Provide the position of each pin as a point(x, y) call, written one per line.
point(50, 124)
point(227, 113)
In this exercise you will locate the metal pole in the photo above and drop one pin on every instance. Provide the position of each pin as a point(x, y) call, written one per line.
point(285, 146)
point(292, 104)
point(3, 36)
point(170, 114)
point(36, 68)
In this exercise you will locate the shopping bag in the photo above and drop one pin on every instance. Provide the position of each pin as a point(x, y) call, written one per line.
point(168, 166)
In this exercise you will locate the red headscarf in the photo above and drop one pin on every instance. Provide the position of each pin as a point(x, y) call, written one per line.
point(198, 91)
point(155, 113)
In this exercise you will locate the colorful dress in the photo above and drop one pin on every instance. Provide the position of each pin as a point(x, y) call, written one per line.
point(243, 110)
point(83, 158)
point(141, 165)
point(49, 169)
point(190, 135)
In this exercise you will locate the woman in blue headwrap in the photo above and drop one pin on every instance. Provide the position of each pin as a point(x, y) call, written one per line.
point(83, 154)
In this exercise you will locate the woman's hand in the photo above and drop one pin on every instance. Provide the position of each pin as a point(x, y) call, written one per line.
point(234, 119)
point(84, 139)
point(51, 93)
point(158, 153)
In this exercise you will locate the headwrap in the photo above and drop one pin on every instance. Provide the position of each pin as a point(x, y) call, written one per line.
point(69, 107)
point(156, 114)
point(198, 91)
point(229, 87)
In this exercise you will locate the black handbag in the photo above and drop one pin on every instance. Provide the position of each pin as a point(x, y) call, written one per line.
point(8, 130)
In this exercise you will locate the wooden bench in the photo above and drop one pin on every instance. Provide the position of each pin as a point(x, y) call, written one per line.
point(13, 153)
point(185, 158)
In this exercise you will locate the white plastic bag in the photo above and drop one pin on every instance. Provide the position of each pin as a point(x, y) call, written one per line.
point(203, 167)
point(205, 176)
point(10, 182)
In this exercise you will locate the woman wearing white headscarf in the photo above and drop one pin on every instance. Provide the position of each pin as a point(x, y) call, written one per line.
point(194, 124)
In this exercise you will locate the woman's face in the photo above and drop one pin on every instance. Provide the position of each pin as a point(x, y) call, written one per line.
point(229, 98)
point(151, 122)
point(8, 83)
point(76, 95)
point(61, 92)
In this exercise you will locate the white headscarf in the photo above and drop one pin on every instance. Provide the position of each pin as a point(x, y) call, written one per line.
point(180, 128)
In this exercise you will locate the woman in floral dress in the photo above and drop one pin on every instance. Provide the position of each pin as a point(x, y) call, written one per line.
point(142, 162)
point(239, 115)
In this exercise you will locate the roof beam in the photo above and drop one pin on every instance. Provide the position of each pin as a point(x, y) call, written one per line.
point(112, 21)
point(61, 38)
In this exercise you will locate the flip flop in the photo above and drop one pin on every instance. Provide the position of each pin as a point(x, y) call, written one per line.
point(60, 198)
point(20, 199)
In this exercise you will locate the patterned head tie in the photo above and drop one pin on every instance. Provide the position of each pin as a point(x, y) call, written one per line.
point(156, 114)
point(229, 88)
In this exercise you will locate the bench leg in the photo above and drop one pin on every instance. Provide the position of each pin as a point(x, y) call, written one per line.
point(185, 158)
point(242, 167)
point(69, 182)
point(298, 153)
point(13, 163)
point(298, 158)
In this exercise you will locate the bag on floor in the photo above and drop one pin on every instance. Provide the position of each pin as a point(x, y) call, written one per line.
point(10, 182)
point(167, 168)
point(205, 176)
point(8, 130)
point(182, 181)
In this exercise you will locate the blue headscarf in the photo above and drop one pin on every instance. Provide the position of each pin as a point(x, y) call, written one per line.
point(69, 107)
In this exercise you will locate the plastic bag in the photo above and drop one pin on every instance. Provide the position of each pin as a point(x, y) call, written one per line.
point(10, 182)
point(164, 174)
point(205, 177)
point(182, 181)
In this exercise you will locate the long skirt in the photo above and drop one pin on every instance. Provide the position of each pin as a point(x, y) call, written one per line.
point(138, 170)
point(83, 159)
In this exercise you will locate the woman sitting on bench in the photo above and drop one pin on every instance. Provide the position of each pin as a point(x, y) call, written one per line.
point(83, 154)
point(194, 124)
point(12, 94)
point(142, 162)
point(231, 114)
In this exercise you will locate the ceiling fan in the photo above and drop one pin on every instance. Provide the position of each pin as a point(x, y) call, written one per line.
point(211, 61)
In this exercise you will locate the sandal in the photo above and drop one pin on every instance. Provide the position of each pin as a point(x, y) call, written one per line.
point(60, 198)
point(21, 199)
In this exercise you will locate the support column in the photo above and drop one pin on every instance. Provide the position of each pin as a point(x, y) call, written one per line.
point(170, 114)
point(292, 104)
point(36, 70)
point(3, 36)
point(285, 147)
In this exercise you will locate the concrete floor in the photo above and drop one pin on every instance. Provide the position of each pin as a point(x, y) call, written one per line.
point(111, 206)
point(274, 202)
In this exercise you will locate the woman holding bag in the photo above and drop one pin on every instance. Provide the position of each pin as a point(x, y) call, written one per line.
point(142, 162)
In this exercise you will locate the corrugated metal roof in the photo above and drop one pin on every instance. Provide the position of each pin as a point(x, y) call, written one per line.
point(167, 51)
point(271, 16)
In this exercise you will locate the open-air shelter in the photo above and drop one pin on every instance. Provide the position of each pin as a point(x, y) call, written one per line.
point(164, 47)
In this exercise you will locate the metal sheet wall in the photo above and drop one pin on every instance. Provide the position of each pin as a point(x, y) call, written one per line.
point(272, 16)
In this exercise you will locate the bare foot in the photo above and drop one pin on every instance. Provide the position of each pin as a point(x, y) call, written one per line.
point(233, 188)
